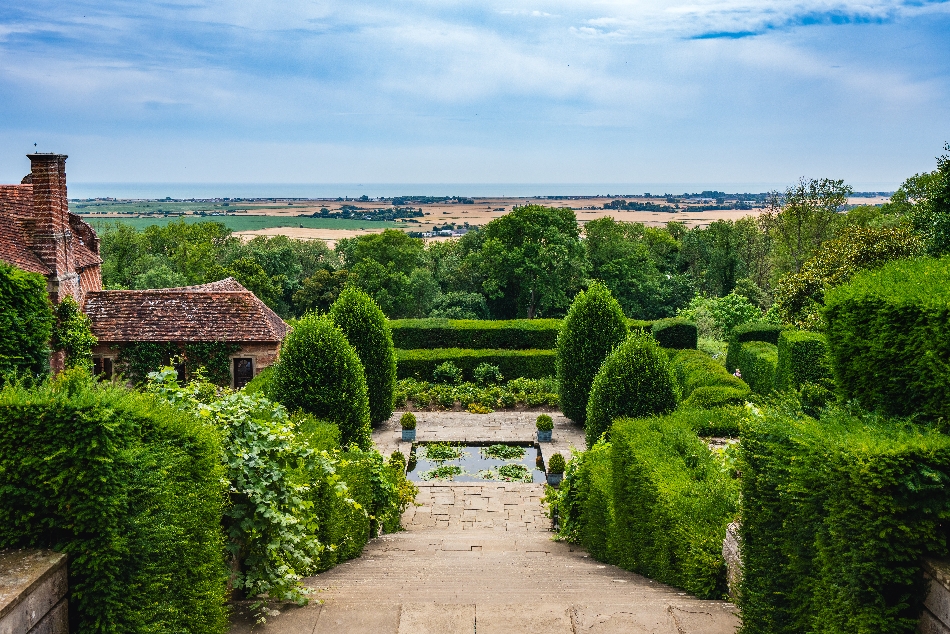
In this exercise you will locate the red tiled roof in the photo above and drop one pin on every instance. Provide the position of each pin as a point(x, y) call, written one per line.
point(13, 251)
point(190, 313)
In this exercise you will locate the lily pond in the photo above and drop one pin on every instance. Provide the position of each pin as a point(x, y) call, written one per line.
point(458, 462)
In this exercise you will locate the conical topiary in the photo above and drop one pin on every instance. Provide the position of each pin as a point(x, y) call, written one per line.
point(594, 326)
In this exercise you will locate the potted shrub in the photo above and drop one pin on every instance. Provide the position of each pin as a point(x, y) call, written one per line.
point(545, 427)
point(408, 423)
point(556, 466)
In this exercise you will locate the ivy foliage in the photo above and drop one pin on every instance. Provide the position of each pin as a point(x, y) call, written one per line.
point(318, 372)
point(367, 330)
point(635, 380)
point(593, 327)
point(837, 515)
point(72, 334)
point(799, 297)
point(131, 489)
point(25, 323)
point(137, 359)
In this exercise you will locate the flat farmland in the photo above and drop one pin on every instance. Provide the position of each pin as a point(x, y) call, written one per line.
point(301, 218)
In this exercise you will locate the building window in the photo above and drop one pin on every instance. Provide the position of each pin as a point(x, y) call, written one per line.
point(102, 368)
point(243, 372)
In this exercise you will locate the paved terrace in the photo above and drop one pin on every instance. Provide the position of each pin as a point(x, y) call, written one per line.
point(478, 558)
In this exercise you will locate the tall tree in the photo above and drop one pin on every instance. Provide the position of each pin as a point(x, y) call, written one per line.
point(801, 219)
point(530, 262)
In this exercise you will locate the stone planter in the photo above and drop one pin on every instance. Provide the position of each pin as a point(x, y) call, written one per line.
point(554, 479)
point(545, 436)
point(409, 435)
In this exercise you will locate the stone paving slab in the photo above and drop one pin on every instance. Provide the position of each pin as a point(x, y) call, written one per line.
point(478, 505)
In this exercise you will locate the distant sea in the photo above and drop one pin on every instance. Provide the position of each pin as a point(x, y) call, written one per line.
point(388, 190)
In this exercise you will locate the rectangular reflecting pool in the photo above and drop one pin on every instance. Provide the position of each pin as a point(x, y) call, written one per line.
point(475, 462)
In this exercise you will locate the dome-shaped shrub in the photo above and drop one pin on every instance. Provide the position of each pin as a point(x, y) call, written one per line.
point(636, 380)
point(319, 373)
point(365, 327)
point(593, 327)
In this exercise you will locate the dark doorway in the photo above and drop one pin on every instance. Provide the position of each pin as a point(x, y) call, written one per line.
point(243, 372)
point(102, 367)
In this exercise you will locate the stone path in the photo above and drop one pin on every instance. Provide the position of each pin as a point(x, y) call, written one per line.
point(477, 558)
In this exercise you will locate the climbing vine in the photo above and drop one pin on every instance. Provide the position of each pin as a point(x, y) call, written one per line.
point(72, 334)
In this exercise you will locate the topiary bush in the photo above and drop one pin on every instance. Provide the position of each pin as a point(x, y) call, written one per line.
point(704, 383)
point(544, 422)
point(802, 358)
point(756, 331)
point(636, 380)
point(556, 463)
point(319, 372)
point(367, 330)
point(757, 361)
point(836, 517)
point(593, 327)
point(407, 420)
point(676, 333)
point(26, 321)
point(888, 338)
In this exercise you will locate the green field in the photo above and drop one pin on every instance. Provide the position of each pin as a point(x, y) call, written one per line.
point(248, 223)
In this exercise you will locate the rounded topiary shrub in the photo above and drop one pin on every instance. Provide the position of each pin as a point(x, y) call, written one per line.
point(636, 380)
point(319, 373)
point(365, 327)
point(593, 327)
point(408, 421)
point(556, 464)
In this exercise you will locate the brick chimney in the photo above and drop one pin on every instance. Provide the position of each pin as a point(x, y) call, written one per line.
point(48, 229)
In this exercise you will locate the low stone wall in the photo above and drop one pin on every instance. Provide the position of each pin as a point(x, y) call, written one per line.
point(936, 616)
point(33, 588)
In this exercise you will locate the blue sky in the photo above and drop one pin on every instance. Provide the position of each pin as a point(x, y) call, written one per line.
point(715, 92)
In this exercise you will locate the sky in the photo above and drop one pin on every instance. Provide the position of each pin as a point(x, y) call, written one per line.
point(737, 95)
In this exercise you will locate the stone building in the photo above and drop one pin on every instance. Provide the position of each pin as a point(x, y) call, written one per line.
point(38, 234)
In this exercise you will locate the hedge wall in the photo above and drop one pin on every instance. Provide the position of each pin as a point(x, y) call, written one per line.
point(802, 358)
point(513, 334)
point(888, 337)
point(757, 331)
point(757, 361)
point(128, 487)
point(676, 333)
point(419, 364)
point(704, 383)
point(836, 516)
point(500, 334)
point(654, 500)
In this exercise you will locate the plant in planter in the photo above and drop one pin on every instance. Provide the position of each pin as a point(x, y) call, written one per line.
point(545, 426)
point(408, 424)
point(556, 466)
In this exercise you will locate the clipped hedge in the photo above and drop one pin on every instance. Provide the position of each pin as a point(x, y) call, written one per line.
point(420, 364)
point(594, 326)
point(756, 331)
point(654, 500)
point(319, 372)
point(675, 333)
point(636, 380)
point(757, 361)
point(510, 334)
point(888, 337)
point(365, 327)
point(836, 517)
point(704, 383)
point(131, 489)
point(802, 358)
point(26, 322)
